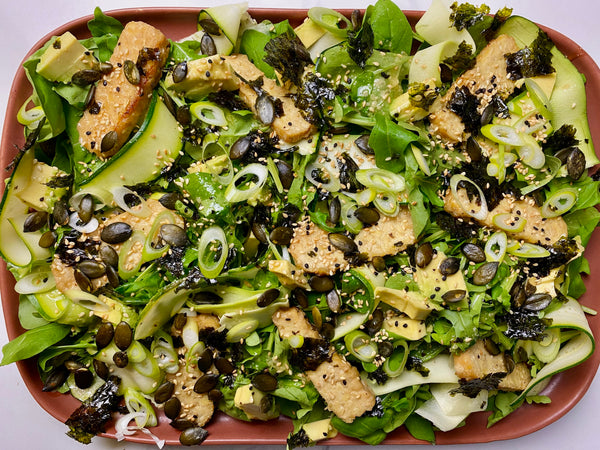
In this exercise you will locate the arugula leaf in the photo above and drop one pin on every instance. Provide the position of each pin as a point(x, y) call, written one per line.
point(184, 51)
point(582, 223)
point(102, 24)
point(33, 342)
point(420, 428)
point(501, 406)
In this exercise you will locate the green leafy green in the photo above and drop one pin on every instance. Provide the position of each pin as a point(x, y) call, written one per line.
point(102, 24)
point(33, 341)
point(389, 141)
point(390, 27)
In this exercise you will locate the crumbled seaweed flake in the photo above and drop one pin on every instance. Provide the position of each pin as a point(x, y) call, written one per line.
point(562, 138)
point(378, 375)
point(91, 417)
point(461, 230)
point(472, 388)
point(531, 61)
point(287, 55)
point(298, 439)
point(312, 353)
point(422, 95)
point(60, 181)
point(416, 364)
point(214, 338)
point(314, 97)
point(348, 169)
point(465, 15)
point(377, 410)
point(524, 325)
point(560, 253)
point(463, 59)
point(72, 250)
point(228, 99)
point(360, 44)
point(499, 18)
point(465, 105)
point(173, 261)
point(261, 146)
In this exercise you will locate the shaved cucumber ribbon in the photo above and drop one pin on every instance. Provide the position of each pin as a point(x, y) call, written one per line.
point(425, 65)
point(430, 26)
point(572, 353)
point(441, 370)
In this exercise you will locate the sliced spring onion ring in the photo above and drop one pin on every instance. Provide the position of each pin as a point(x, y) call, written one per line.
point(166, 356)
point(421, 160)
point(75, 223)
point(509, 222)
point(333, 182)
point(120, 193)
point(296, 340)
point(136, 402)
point(234, 194)
point(349, 220)
point(526, 250)
point(559, 203)
point(330, 20)
point(502, 134)
point(209, 113)
point(30, 117)
point(129, 261)
point(212, 260)
point(191, 357)
point(381, 180)
point(387, 203)
point(531, 152)
point(363, 197)
point(495, 247)
point(394, 364)
point(530, 124)
point(359, 345)
point(136, 352)
point(150, 252)
point(466, 205)
point(538, 97)
point(36, 282)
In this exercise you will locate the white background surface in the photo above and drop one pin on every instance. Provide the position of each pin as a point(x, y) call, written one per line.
point(24, 425)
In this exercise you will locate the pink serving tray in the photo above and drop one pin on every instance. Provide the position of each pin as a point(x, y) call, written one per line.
point(565, 389)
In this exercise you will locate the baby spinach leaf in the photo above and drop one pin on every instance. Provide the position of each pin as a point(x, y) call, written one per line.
point(391, 30)
point(389, 141)
point(33, 342)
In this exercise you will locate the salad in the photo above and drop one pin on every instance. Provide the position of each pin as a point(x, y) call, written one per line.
point(354, 225)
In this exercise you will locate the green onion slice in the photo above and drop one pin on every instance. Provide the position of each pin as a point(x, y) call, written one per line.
point(495, 247)
point(387, 203)
point(36, 282)
point(531, 153)
point(129, 261)
point(502, 134)
point(421, 160)
point(509, 222)
point(30, 117)
point(363, 197)
point(466, 205)
point(259, 172)
point(538, 97)
point(330, 20)
point(360, 346)
point(212, 251)
point(209, 113)
point(527, 250)
point(136, 402)
point(381, 180)
point(315, 172)
point(150, 252)
point(559, 203)
point(349, 220)
point(123, 197)
point(395, 363)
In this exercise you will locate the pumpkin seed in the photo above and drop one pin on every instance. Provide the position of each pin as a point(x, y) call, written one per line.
point(182, 424)
point(321, 283)
point(90, 97)
point(385, 348)
point(576, 164)
point(104, 335)
point(121, 359)
point(113, 277)
point(423, 255)
point(509, 363)
point(173, 235)
point(170, 199)
point(491, 346)
point(286, 173)
point(116, 233)
point(327, 331)
point(85, 208)
point(282, 235)
point(105, 67)
point(82, 281)
point(214, 395)
point(183, 115)
point(537, 302)
point(172, 408)
point(164, 392)
point(333, 301)
point(35, 221)
point(265, 382)
point(240, 147)
point(210, 26)
point(454, 296)
point(179, 321)
point(224, 366)
point(485, 273)
point(368, 216)
point(193, 436)
point(60, 213)
point(101, 369)
point(474, 149)
point(206, 298)
point(265, 109)
point(47, 240)
point(109, 255)
point(86, 77)
point(91, 268)
point(205, 383)
point(343, 242)
point(131, 71)
point(379, 264)
point(56, 379)
point(362, 143)
point(205, 360)
point(449, 266)
point(487, 114)
point(207, 45)
point(109, 141)
point(180, 72)
point(299, 297)
point(374, 324)
point(473, 253)
point(267, 297)
point(334, 211)
point(123, 335)
point(84, 378)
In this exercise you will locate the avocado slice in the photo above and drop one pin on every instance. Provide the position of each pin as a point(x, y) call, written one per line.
point(38, 194)
point(255, 403)
point(205, 75)
point(405, 327)
point(64, 57)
